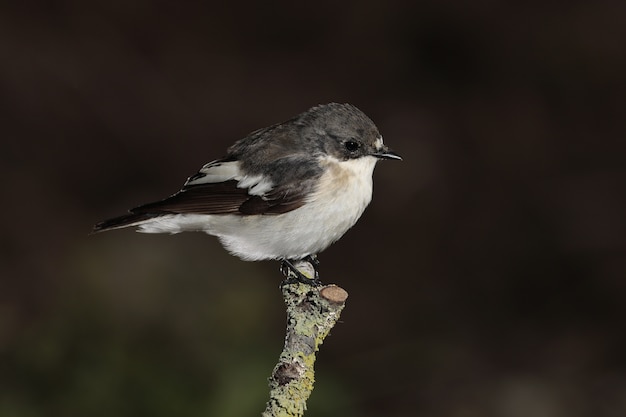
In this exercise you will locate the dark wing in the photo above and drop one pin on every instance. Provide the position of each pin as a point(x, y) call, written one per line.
point(221, 198)
point(210, 198)
point(219, 188)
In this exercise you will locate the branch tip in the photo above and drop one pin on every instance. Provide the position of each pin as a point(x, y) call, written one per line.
point(334, 294)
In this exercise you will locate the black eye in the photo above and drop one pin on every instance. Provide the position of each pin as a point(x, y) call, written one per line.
point(352, 145)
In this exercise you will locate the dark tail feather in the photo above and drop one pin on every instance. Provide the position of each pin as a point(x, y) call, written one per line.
point(122, 221)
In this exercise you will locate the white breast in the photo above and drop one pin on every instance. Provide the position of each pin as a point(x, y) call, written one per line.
point(344, 191)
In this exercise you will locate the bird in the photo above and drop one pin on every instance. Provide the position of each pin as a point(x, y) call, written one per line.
point(284, 192)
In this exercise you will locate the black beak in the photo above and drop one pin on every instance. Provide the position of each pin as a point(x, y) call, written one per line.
point(386, 153)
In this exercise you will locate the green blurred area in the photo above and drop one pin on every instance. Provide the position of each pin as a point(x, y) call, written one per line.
point(487, 278)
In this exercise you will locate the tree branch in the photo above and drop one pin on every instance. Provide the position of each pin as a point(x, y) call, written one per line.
point(311, 313)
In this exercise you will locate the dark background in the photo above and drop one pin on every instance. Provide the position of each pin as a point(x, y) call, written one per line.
point(487, 277)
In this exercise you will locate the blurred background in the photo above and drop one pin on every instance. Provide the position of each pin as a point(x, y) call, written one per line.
point(487, 277)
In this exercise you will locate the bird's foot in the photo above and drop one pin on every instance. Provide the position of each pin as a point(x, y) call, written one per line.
point(302, 270)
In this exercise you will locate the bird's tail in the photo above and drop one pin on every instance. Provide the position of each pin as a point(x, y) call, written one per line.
point(132, 219)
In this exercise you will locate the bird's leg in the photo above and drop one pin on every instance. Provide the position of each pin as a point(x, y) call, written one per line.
point(292, 273)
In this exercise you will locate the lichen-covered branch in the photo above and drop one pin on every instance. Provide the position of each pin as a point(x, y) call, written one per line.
point(311, 313)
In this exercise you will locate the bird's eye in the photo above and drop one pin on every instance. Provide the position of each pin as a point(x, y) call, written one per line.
point(352, 145)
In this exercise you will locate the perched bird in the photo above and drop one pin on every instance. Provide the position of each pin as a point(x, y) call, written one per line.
point(284, 192)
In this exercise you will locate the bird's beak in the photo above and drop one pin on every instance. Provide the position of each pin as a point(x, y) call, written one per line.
point(386, 153)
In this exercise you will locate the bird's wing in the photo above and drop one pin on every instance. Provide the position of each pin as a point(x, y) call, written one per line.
point(221, 187)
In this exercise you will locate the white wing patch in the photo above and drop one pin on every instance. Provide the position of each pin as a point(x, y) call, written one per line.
point(218, 171)
point(215, 172)
point(256, 184)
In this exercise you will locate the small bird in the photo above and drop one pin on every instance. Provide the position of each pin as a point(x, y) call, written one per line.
point(284, 192)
